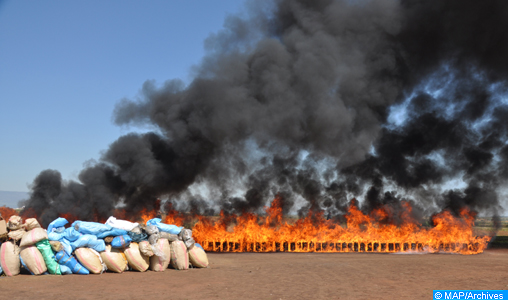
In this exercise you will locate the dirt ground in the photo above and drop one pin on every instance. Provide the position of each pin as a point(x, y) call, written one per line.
point(281, 276)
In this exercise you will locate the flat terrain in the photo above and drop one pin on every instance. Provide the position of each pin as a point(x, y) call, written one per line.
point(281, 276)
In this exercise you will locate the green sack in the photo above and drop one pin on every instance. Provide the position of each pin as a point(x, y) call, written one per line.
point(49, 258)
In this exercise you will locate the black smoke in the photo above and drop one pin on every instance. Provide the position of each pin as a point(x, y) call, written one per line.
point(317, 101)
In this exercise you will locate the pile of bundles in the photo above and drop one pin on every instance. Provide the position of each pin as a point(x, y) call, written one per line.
point(89, 247)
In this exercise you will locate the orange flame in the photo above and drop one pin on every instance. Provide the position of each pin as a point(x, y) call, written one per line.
point(7, 212)
point(364, 233)
point(173, 216)
point(147, 215)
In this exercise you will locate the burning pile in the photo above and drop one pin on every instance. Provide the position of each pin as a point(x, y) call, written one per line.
point(90, 247)
point(363, 233)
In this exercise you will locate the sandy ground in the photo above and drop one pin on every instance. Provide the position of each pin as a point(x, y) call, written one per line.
point(281, 276)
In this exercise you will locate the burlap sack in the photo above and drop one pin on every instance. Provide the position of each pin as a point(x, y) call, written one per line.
point(90, 259)
point(33, 260)
point(114, 259)
point(160, 263)
point(14, 223)
point(145, 248)
point(16, 234)
point(179, 256)
point(136, 260)
point(33, 236)
point(31, 223)
point(9, 258)
point(56, 246)
point(198, 257)
point(108, 239)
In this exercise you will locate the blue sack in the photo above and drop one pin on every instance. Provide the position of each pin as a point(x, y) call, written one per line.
point(54, 236)
point(69, 261)
point(67, 246)
point(91, 227)
point(90, 241)
point(122, 241)
point(69, 234)
point(173, 229)
point(60, 222)
point(112, 232)
point(65, 270)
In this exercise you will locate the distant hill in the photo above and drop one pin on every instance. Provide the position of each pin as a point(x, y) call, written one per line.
point(11, 199)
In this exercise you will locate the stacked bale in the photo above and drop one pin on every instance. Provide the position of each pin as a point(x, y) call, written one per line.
point(92, 248)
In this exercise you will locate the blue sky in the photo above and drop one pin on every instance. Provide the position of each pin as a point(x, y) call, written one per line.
point(65, 64)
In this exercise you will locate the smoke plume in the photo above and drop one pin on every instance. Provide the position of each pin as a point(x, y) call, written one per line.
point(320, 102)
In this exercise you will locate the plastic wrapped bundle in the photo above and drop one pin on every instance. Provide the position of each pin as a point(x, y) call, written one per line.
point(69, 234)
point(179, 256)
point(168, 236)
point(136, 260)
point(90, 241)
point(153, 238)
point(67, 246)
point(49, 258)
point(160, 262)
point(121, 241)
point(31, 223)
point(14, 223)
point(121, 224)
point(91, 227)
point(59, 222)
point(151, 229)
point(112, 232)
point(173, 229)
point(91, 260)
point(185, 234)
point(65, 270)
point(145, 248)
point(137, 237)
point(189, 243)
point(33, 236)
point(33, 260)
point(198, 257)
point(115, 260)
point(9, 258)
point(69, 261)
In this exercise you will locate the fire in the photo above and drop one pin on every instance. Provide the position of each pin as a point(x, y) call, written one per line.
point(7, 212)
point(147, 215)
point(69, 217)
point(173, 216)
point(374, 232)
point(363, 233)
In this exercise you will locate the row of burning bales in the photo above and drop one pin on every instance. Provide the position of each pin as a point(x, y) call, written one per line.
point(373, 232)
point(92, 248)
